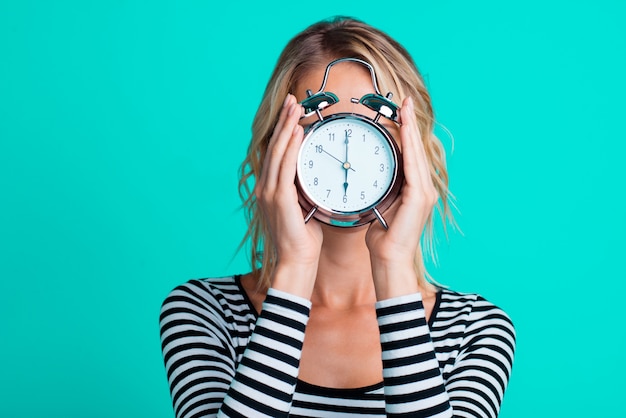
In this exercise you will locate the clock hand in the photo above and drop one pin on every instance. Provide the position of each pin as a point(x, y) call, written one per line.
point(332, 156)
point(346, 166)
point(346, 142)
point(342, 163)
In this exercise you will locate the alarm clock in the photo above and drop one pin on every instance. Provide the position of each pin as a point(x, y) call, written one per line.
point(349, 166)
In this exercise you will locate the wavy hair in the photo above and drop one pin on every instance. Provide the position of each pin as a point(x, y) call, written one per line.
point(314, 47)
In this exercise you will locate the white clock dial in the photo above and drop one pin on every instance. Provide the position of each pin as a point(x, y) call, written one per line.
point(346, 165)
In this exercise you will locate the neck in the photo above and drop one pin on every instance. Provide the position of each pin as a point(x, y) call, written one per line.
point(344, 277)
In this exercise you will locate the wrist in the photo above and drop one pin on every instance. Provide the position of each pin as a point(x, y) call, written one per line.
point(393, 278)
point(295, 278)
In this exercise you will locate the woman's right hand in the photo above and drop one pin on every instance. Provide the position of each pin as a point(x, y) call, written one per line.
point(298, 244)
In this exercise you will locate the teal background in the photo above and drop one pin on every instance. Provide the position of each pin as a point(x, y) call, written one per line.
point(122, 125)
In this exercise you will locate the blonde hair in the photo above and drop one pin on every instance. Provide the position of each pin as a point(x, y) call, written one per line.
point(315, 47)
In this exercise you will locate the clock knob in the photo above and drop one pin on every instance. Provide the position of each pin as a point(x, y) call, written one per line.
point(381, 105)
point(317, 102)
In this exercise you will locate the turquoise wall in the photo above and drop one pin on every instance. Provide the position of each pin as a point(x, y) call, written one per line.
point(122, 124)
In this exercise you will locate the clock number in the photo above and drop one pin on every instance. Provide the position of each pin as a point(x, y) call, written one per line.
point(382, 167)
point(376, 149)
point(363, 137)
point(315, 181)
point(319, 149)
point(345, 199)
point(327, 192)
point(331, 136)
point(362, 195)
point(376, 183)
point(348, 133)
point(311, 164)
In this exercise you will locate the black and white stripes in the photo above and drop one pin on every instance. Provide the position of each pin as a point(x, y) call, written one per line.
point(412, 380)
point(223, 361)
point(268, 372)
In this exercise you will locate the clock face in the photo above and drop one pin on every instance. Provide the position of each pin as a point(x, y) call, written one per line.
point(347, 164)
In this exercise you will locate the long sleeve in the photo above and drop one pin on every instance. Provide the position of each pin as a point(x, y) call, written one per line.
point(482, 369)
point(205, 379)
point(414, 384)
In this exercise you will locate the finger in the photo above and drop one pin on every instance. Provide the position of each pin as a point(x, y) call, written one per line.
point(286, 195)
point(408, 140)
point(277, 153)
point(290, 159)
point(277, 128)
point(414, 191)
point(279, 142)
point(422, 166)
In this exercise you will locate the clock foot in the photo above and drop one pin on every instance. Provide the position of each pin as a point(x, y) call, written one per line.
point(310, 214)
point(380, 218)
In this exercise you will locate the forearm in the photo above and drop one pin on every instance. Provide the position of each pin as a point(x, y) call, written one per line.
point(413, 382)
point(200, 353)
point(265, 380)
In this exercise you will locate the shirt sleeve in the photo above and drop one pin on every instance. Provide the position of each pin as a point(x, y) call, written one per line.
point(414, 384)
point(482, 369)
point(200, 359)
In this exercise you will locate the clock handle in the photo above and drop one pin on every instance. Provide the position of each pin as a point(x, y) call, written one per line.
point(350, 59)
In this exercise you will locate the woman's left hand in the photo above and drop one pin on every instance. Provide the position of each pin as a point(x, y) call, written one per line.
point(393, 251)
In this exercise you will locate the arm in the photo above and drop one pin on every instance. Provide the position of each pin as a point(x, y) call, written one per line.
point(482, 369)
point(414, 385)
point(200, 357)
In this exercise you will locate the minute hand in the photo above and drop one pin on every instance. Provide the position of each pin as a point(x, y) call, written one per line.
point(342, 163)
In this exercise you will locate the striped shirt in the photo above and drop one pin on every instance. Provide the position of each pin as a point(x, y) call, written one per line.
point(222, 359)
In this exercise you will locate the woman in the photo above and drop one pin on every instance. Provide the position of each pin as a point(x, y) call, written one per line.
point(336, 321)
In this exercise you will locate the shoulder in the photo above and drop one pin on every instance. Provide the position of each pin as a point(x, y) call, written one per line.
point(480, 317)
point(205, 291)
point(473, 304)
point(205, 299)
